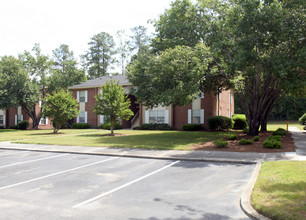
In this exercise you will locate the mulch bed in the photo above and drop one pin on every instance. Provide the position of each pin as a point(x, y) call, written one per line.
point(234, 146)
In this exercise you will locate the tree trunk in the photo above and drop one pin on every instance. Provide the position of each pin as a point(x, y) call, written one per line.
point(263, 124)
point(112, 126)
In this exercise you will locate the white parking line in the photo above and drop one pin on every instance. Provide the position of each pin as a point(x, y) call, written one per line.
point(58, 173)
point(30, 161)
point(123, 186)
point(19, 152)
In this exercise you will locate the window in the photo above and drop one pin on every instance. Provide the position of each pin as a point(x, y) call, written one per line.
point(82, 96)
point(196, 116)
point(82, 118)
point(157, 116)
point(1, 119)
point(43, 121)
point(18, 118)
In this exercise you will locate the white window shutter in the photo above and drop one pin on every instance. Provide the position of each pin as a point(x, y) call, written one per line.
point(202, 116)
point(21, 117)
point(46, 120)
point(147, 117)
point(166, 116)
point(78, 96)
point(101, 91)
point(85, 117)
point(3, 119)
point(78, 119)
point(86, 98)
point(15, 119)
point(101, 119)
point(189, 116)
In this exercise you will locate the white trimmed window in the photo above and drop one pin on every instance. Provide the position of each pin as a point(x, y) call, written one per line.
point(18, 118)
point(43, 121)
point(2, 119)
point(82, 96)
point(195, 116)
point(102, 119)
point(157, 116)
point(82, 118)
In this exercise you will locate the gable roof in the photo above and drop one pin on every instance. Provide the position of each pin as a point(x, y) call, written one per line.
point(94, 83)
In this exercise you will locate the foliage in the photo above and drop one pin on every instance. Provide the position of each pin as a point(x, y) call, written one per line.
point(154, 127)
point(80, 126)
point(23, 125)
point(239, 121)
point(60, 107)
point(100, 55)
point(221, 143)
point(139, 39)
point(275, 137)
point(279, 131)
point(14, 127)
point(219, 123)
point(65, 71)
point(302, 120)
point(274, 144)
point(244, 141)
point(107, 126)
point(113, 103)
point(256, 138)
point(232, 136)
point(192, 127)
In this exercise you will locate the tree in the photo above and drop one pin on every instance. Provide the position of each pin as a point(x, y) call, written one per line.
point(123, 49)
point(257, 49)
point(60, 107)
point(65, 70)
point(113, 103)
point(139, 40)
point(100, 55)
point(17, 88)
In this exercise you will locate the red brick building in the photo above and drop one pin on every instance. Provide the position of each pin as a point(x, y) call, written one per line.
point(196, 112)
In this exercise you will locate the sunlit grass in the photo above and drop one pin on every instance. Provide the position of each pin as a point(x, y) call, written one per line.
point(279, 192)
point(273, 125)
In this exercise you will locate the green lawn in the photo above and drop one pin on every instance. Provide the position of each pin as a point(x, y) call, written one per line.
point(279, 192)
point(273, 125)
point(168, 140)
point(12, 135)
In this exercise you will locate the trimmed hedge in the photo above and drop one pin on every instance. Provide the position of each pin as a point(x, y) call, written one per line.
point(220, 143)
point(219, 123)
point(239, 121)
point(244, 141)
point(302, 120)
point(14, 127)
point(107, 126)
point(80, 126)
point(153, 127)
point(23, 125)
point(279, 131)
point(192, 127)
point(274, 144)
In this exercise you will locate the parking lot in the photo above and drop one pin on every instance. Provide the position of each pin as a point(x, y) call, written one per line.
point(41, 185)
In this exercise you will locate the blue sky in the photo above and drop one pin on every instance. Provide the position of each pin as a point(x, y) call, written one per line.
point(72, 22)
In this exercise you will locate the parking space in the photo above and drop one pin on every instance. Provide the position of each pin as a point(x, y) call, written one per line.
point(40, 185)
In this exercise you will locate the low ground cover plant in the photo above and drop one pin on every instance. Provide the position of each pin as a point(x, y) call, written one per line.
point(256, 138)
point(220, 143)
point(275, 138)
point(219, 123)
point(272, 143)
point(192, 127)
point(80, 126)
point(232, 137)
point(280, 131)
point(244, 141)
point(239, 121)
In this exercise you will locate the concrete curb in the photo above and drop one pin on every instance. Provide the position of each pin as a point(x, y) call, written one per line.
point(216, 160)
point(245, 200)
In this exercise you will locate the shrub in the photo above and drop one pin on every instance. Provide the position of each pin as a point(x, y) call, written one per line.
point(256, 138)
point(304, 127)
point(232, 136)
point(280, 131)
point(275, 138)
point(272, 144)
point(136, 128)
point(246, 130)
point(244, 141)
point(1, 127)
point(107, 126)
point(220, 143)
point(14, 127)
point(23, 125)
point(239, 121)
point(80, 126)
point(155, 127)
point(302, 120)
point(219, 123)
point(192, 127)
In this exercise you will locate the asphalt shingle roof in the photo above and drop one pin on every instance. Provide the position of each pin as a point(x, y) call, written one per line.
point(122, 79)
